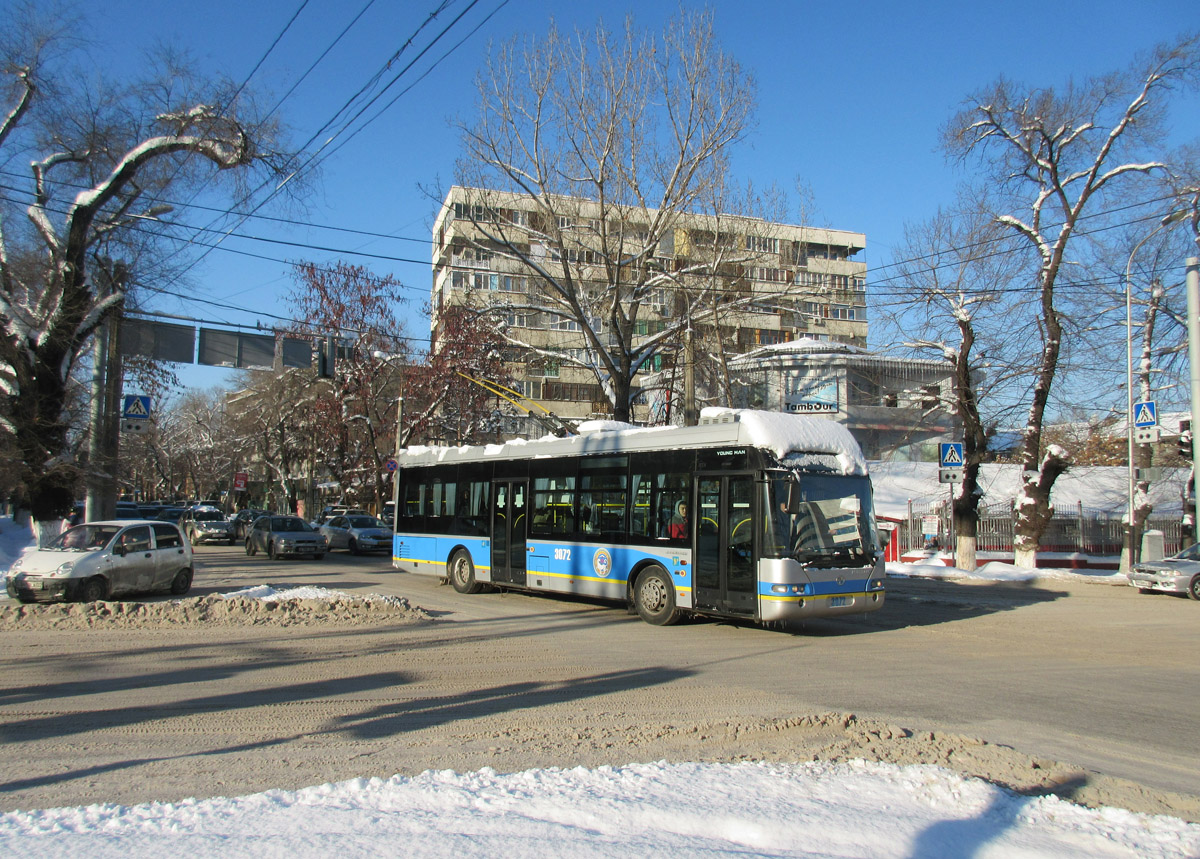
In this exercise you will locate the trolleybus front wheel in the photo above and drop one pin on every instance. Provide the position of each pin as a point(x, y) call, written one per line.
point(462, 573)
point(654, 597)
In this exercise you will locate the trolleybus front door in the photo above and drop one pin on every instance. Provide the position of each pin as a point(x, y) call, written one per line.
point(508, 531)
point(726, 579)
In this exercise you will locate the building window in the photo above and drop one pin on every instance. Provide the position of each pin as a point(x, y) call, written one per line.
point(762, 244)
point(770, 275)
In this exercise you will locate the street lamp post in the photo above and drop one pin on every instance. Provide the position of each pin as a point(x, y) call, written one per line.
point(1127, 556)
point(396, 473)
point(387, 358)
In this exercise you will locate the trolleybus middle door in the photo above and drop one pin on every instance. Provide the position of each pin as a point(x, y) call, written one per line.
point(726, 575)
point(509, 524)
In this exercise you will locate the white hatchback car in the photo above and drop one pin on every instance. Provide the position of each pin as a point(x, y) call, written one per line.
point(102, 559)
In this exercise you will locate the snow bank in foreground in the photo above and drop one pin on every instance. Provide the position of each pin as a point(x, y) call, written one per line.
point(816, 809)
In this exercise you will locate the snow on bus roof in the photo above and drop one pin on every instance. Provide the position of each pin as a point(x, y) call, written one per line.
point(777, 432)
point(784, 433)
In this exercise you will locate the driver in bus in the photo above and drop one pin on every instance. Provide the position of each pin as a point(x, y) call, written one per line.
point(678, 529)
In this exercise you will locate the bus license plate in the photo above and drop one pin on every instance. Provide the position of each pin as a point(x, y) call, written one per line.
point(837, 602)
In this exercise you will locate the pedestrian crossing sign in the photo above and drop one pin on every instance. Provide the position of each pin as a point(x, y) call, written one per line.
point(137, 407)
point(1145, 414)
point(951, 454)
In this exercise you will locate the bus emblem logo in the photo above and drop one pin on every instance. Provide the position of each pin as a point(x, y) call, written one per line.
point(602, 563)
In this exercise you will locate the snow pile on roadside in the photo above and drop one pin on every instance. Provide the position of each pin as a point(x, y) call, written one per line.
point(276, 608)
point(942, 567)
point(687, 809)
point(270, 593)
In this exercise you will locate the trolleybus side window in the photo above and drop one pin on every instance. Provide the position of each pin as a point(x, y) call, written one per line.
point(656, 497)
point(553, 505)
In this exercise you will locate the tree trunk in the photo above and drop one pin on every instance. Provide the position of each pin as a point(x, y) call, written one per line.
point(1033, 510)
point(966, 518)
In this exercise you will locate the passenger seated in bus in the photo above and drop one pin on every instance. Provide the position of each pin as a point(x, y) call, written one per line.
point(542, 519)
point(678, 529)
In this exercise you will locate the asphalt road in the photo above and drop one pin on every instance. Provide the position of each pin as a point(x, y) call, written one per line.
point(1092, 674)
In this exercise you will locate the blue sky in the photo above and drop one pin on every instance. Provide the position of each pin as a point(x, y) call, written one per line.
point(851, 99)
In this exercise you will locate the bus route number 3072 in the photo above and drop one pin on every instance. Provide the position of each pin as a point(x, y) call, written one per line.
point(562, 554)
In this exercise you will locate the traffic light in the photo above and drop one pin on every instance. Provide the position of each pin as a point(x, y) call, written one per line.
point(1185, 439)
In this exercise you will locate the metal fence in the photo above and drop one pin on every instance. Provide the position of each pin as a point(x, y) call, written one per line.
point(1082, 530)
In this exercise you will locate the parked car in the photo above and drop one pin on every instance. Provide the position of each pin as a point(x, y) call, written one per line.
point(358, 534)
point(128, 510)
point(285, 535)
point(170, 514)
point(339, 510)
point(206, 525)
point(103, 559)
point(243, 519)
point(1179, 574)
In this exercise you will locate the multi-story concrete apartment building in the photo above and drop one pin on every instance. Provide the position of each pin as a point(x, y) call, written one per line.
point(666, 297)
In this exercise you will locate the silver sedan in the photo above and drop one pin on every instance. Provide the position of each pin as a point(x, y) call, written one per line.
point(358, 534)
point(1179, 574)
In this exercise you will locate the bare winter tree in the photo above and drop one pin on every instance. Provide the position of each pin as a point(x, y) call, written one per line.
point(946, 298)
point(97, 162)
point(275, 418)
point(1052, 157)
point(358, 309)
point(586, 153)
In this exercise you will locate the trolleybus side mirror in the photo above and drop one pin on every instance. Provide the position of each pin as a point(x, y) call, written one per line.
point(794, 498)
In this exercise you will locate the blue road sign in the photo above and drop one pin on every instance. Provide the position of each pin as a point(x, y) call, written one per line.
point(951, 454)
point(1145, 414)
point(137, 407)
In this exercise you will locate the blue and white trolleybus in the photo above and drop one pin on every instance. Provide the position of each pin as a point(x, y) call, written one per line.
point(755, 515)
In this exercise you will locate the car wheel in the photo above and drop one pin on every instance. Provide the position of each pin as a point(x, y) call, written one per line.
point(1194, 588)
point(94, 590)
point(250, 550)
point(182, 583)
point(354, 547)
point(462, 573)
point(275, 556)
point(654, 597)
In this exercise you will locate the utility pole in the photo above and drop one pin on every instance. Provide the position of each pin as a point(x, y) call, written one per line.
point(1193, 327)
point(105, 413)
point(691, 415)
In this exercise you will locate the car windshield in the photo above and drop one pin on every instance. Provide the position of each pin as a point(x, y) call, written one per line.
point(365, 522)
point(290, 524)
point(1191, 553)
point(84, 538)
point(209, 516)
